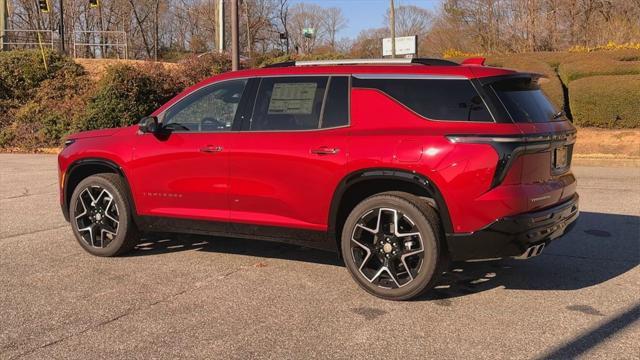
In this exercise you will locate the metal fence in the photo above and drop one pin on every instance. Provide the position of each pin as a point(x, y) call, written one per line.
point(28, 39)
point(100, 44)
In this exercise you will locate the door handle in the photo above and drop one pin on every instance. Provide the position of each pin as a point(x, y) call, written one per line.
point(325, 150)
point(211, 149)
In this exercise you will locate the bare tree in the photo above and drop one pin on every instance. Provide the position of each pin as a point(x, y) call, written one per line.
point(306, 16)
point(333, 21)
point(411, 20)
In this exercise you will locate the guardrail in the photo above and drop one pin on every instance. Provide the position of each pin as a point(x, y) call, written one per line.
point(101, 43)
point(27, 39)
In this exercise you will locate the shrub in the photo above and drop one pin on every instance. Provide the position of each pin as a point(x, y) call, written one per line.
point(48, 116)
point(606, 101)
point(22, 71)
point(42, 103)
point(611, 45)
point(579, 66)
point(127, 93)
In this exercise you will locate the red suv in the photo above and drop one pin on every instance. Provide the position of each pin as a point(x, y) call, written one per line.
point(398, 164)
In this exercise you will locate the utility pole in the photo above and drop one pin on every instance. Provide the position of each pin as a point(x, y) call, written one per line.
point(3, 21)
point(61, 28)
point(393, 29)
point(235, 43)
point(220, 26)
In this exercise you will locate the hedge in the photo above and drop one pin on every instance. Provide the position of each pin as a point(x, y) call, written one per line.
point(606, 101)
point(23, 71)
point(578, 66)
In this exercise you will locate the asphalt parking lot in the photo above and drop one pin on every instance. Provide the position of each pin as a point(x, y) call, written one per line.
point(187, 296)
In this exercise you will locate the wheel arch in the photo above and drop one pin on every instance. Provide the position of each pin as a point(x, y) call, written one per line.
point(363, 183)
point(83, 168)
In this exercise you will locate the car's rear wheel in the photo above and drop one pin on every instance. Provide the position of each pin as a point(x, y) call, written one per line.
point(390, 244)
point(100, 216)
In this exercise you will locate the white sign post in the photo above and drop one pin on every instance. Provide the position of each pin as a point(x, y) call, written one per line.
point(405, 45)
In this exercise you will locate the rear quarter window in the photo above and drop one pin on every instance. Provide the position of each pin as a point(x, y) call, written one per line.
point(435, 99)
point(524, 101)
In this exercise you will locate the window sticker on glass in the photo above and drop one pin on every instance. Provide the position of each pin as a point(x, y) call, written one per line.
point(292, 98)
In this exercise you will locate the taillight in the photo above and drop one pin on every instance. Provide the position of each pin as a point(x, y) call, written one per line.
point(510, 147)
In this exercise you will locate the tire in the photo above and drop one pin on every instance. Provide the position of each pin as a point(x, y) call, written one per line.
point(101, 217)
point(368, 230)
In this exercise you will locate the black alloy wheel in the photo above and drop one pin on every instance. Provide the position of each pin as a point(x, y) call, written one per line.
point(390, 243)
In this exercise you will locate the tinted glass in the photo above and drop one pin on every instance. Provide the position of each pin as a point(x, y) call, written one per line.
point(454, 100)
point(288, 103)
point(524, 101)
point(211, 108)
point(336, 107)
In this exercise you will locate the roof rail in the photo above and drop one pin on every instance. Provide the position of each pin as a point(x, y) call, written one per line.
point(422, 61)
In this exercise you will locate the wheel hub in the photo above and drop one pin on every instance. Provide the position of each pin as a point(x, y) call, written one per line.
point(387, 248)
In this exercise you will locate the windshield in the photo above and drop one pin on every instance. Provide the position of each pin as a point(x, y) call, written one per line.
point(525, 102)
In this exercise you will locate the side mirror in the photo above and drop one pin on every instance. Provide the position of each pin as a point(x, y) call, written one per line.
point(148, 124)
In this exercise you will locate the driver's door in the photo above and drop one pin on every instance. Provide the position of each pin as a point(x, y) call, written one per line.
point(182, 171)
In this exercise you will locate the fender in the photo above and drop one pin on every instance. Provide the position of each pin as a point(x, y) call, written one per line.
point(387, 174)
point(93, 161)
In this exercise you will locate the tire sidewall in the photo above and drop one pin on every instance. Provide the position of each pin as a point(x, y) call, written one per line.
point(123, 212)
point(429, 243)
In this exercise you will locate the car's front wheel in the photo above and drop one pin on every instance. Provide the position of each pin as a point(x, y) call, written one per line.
point(100, 216)
point(390, 244)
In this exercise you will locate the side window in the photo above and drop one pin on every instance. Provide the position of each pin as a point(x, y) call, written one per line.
point(211, 108)
point(288, 103)
point(453, 100)
point(336, 106)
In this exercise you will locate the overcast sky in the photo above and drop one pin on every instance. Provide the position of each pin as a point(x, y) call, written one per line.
point(364, 14)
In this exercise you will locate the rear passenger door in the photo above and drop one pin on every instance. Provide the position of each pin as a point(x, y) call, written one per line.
point(290, 155)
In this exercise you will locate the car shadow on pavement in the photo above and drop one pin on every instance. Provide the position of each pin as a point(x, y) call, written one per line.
point(156, 244)
point(600, 247)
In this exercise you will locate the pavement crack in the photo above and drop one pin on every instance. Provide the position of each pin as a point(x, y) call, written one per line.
point(136, 310)
point(103, 323)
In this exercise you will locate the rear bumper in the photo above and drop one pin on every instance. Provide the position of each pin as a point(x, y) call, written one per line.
point(512, 236)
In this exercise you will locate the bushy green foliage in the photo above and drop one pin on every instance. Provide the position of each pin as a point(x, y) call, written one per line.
point(606, 101)
point(126, 94)
point(22, 71)
point(37, 106)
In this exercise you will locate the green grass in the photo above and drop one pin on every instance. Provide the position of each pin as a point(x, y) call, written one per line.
point(611, 101)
